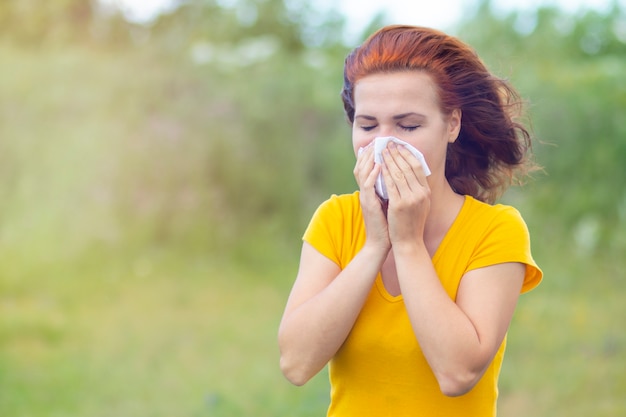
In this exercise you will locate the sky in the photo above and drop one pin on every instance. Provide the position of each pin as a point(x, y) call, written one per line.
point(440, 14)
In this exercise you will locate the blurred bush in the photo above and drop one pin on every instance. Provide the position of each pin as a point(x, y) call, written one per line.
point(220, 124)
point(570, 68)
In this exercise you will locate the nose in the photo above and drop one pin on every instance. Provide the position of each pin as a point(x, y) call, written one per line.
point(385, 131)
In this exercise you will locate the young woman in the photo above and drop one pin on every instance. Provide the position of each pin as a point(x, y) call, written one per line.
point(410, 298)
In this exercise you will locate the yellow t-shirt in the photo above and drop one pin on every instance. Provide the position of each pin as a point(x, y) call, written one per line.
point(380, 369)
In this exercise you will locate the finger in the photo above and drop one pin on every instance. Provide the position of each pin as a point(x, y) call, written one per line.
point(366, 173)
point(410, 162)
point(394, 177)
point(398, 168)
point(370, 181)
point(364, 164)
point(366, 156)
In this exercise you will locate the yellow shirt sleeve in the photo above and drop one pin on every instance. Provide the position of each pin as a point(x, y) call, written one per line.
point(337, 230)
point(505, 239)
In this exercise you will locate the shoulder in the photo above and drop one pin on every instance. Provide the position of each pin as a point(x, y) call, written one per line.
point(342, 203)
point(484, 216)
point(501, 235)
point(476, 206)
point(336, 212)
point(335, 226)
point(343, 199)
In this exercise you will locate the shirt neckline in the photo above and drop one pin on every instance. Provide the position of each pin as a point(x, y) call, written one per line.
point(380, 285)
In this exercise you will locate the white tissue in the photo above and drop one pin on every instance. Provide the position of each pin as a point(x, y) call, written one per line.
point(380, 144)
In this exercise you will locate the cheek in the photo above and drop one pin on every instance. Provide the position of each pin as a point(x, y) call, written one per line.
point(360, 140)
point(435, 156)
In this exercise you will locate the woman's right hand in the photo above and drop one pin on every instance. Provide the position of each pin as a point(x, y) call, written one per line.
point(365, 172)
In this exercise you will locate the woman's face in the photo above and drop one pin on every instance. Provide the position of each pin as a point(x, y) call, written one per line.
point(405, 105)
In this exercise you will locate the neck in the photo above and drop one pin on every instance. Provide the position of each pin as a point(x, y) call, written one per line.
point(445, 205)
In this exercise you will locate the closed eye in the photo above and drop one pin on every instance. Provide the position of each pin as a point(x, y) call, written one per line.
point(410, 128)
point(368, 128)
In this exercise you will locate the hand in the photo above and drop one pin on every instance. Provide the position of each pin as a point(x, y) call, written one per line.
point(409, 195)
point(365, 172)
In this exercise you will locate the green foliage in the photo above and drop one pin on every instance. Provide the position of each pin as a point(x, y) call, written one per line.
point(570, 68)
point(52, 21)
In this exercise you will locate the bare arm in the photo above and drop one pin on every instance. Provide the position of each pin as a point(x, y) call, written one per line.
point(325, 301)
point(322, 308)
point(459, 340)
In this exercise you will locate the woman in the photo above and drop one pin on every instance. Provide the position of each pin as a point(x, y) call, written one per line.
point(410, 298)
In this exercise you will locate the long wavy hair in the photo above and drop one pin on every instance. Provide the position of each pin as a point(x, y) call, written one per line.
point(493, 149)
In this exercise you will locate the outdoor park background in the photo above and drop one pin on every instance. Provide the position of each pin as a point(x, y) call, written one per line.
point(155, 181)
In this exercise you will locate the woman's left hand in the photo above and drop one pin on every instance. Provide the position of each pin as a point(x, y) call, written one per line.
point(408, 192)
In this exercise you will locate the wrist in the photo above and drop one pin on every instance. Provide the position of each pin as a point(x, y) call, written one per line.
point(410, 248)
point(376, 250)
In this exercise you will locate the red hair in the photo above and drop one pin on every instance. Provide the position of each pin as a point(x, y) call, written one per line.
point(492, 148)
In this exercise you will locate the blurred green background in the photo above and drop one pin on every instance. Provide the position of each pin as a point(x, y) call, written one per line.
point(155, 180)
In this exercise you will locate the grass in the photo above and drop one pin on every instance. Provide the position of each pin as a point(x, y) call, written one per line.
point(173, 332)
point(157, 334)
point(566, 343)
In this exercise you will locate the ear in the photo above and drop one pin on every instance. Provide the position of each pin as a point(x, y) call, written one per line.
point(454, 125)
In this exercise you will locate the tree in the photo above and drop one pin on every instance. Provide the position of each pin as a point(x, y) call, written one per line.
point(52, 21)
point(570, 68)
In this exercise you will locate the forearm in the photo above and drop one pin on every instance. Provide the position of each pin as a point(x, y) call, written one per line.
point(448, 338)
point(311, 333)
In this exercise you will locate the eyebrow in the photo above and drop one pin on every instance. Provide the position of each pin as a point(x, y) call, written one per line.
point(396, 117)
point(403, 115)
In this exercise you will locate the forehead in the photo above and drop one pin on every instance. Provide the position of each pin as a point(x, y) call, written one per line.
point(408, 90)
